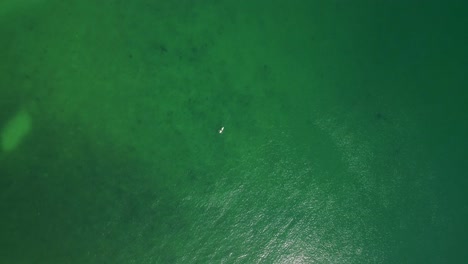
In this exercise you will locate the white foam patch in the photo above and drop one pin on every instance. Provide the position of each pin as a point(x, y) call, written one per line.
point(15, 130)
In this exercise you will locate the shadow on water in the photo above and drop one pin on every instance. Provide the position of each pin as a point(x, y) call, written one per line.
point(66, 197)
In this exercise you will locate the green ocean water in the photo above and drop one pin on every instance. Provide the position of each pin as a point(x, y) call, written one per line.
point(344, 141)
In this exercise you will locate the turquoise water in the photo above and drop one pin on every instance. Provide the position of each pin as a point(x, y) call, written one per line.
point(344, 136)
